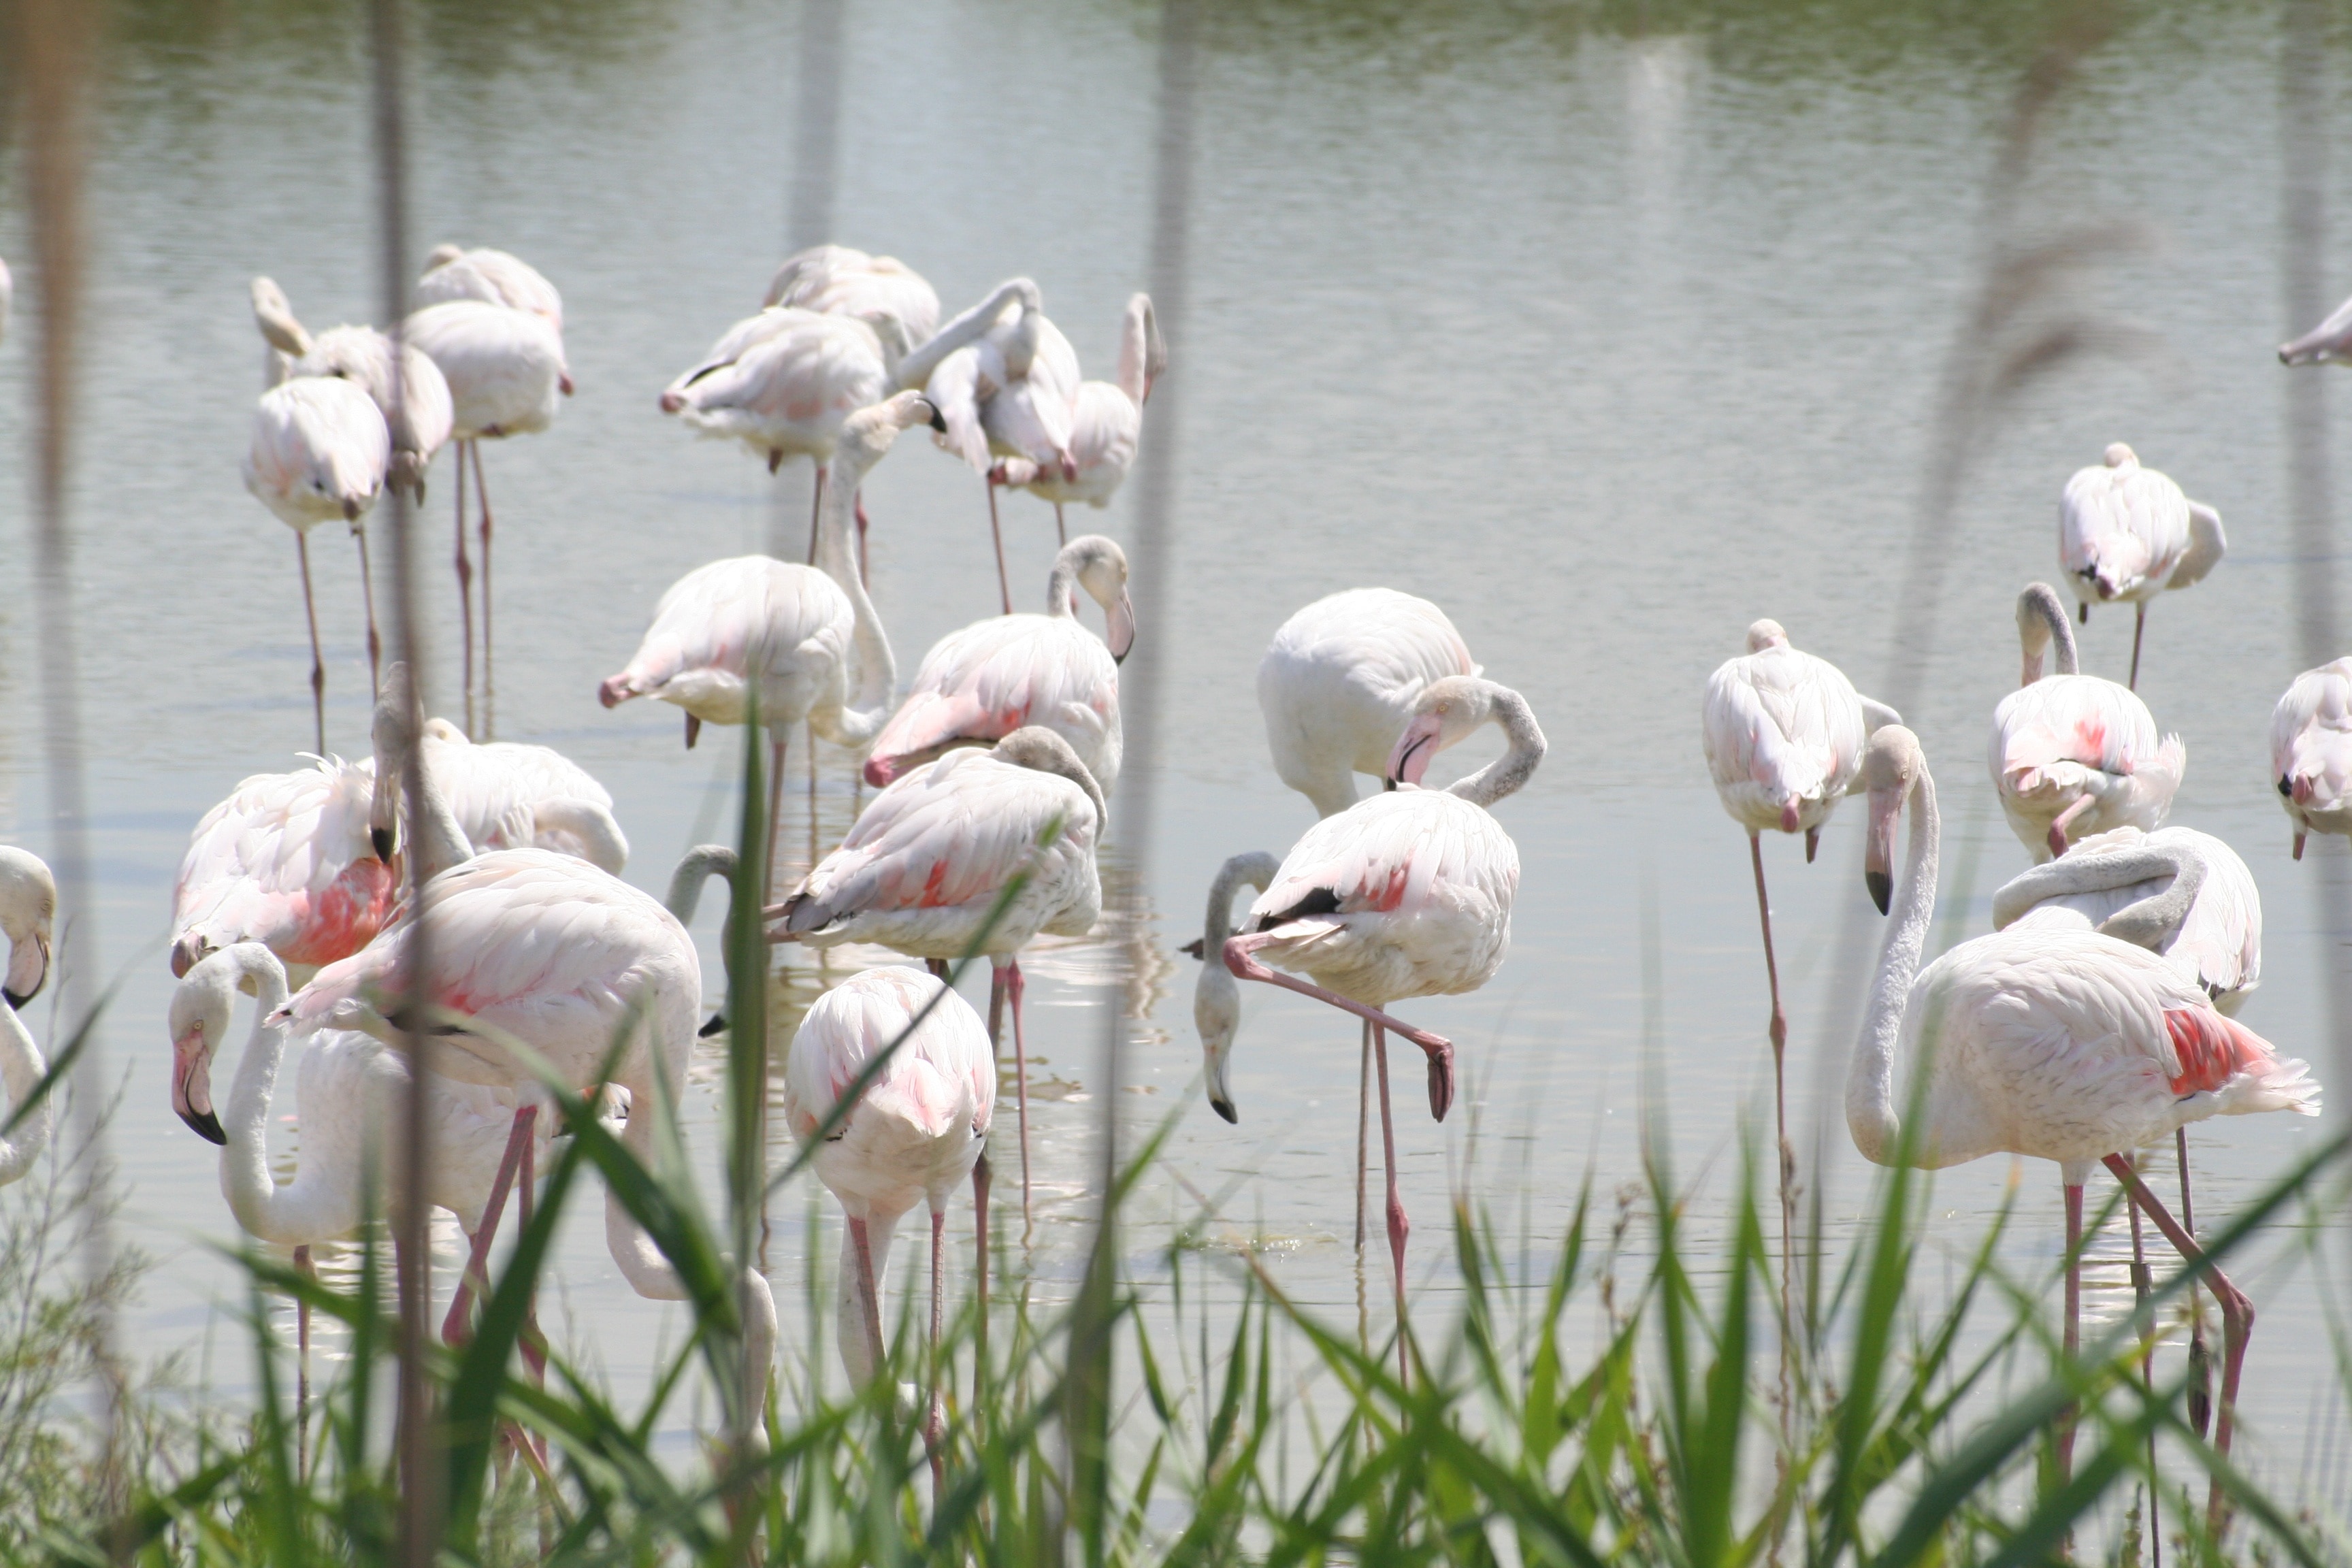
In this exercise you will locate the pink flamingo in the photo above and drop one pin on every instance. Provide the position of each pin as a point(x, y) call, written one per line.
point(918, 1129)
point(2127, 532)
point(924, 869)
point(2058, 1045)
point(2072, 753)
point(882, 291)
point(995, 676)
point(1405, 894)
point(1106, 424)
point(2310, 751)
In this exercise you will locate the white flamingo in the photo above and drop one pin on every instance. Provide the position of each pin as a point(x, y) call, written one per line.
point(914, 1133)
point(980, 684)
point(1404, 894)
point(28, 906)
point(1783, 731)
point(506, 375)
point(320, 450)
point(883, 291)
point(491, 276)
point(2127, 532)
point(2330, 342)
point(2074, 754)
point(418, 418)
point(2310, 751)
point(1005, 382)
point(1338, 683)
point(1105, 424)
point(927, 863)
point(786, 635)
point(2057, 1044)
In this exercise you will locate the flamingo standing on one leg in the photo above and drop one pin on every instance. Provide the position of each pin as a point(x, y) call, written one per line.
point(1405, 894)
point(507, 376)
point(929, 860)
point(980, 684)
point(1338, 683)
point(916, 1131)
point(2065, 1046)
point(2178, 892)
point(882, 291)
point(2310, 751)
point(2127, 532)
point(1106, 424)
point(28, 906)
point(753, 628)
point(1783, 733)
point(2072, 753)
point(320, 450)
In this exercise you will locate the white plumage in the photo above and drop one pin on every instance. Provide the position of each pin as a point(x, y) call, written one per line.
point(1338, 682)
point(285, 861)
point(982, 683)
point(505, 367)
point(2214, 936)
point(2125, 533)
point(781, 383)
point(491, 276)
point(320, 450)
point(1106, 423)
point(882, 291)
point(1783, 732)
point(2310, 751)
point(417, 419)
point(28, 906)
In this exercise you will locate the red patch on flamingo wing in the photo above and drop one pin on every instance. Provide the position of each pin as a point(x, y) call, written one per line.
point(1386, 896)
point(932, 896)
point(2092, 738)
point(346, 917)
point(2211, 1048)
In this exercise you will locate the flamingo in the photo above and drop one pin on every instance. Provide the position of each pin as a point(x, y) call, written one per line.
point(29, 905)
point(2330, 342)
point(1405, 894)
point(493, 277)
point(2178, 892)
point(1338, 683)
point(995, 676)
point(883, 291)
point(417, 418)
point(320, 450)
point(752, 627)
point(928, 862)
point(2310, 751)
point(1105, 424)
point(916, 1131)
point(1783, 732)
point(1005, 382)
point(2074, 752)
point(2128, 532)
point(2058, 1045)
point(506, 370)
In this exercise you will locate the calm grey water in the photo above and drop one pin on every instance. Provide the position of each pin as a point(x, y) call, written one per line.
point(1608, 339)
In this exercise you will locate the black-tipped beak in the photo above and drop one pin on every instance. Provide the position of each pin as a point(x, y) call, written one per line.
point(207, 1126)
point(715, 1025)
point(1224, 1108)
point(1196, 948)
point(939, 420)
point(1881, 888)
point(1388, 787)
point(16, 1003)
point(380, 840)
point(2286, 787)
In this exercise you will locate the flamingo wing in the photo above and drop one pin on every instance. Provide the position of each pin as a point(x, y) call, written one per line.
point(2121, 531)
point(994, 675)
point(320, 450)
point(495, 277)
point(943, 1074)
point(1784, 722)
point(285, 861)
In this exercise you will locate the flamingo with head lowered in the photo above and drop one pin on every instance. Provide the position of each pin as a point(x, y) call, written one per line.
point(1106, 424)
point(882, 291)
point(2310, 751)
point(2127, 532)
point(2059, 1044)
point(980, 684)
point(1405, 894)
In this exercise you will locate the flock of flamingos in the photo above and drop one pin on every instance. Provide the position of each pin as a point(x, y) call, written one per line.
point(2096, 1020)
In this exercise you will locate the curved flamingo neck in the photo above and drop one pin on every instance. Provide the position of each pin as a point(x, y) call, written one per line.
point(2039, 608)
point(701, 863)
point(849, 1309)
point(1507, 774)
point(916, 368)
point(1870, 1111)
point(1135, 349)
point(868, 709)
point(322, 1200)
point(22, 1068)
point(1256, 869)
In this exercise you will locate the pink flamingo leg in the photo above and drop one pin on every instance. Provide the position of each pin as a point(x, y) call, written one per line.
point(865, 567)
point(816, 509)
point(2073, 1336)
point(482, 504)
point(534, 1343)
point(980, 1180)
point(869, 1303)
point(775, 809)
point(367, 601)
point(465, 589)
point(318, 660)
point(2065, 820)
point(1061, 529)
point(1363, 1130)
point(1240, 959)
point(1399, 1228)
point(2139, 625)
point(1003, 583)
point(2237, 1322)
point(2201, 1359)
point(935, 1411)
point(1015, 987)
point(302, 1368)
point(457, 1327)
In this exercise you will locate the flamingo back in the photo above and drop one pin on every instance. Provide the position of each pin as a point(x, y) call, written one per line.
point(497, 790)
point(2218, 945)
point(285, 861)
point(320, 450)
point(747, 624)
point(505, 367)
point(2310, 747)
point(2067, 736)
point(1106, 429)
point(2122, 529)
point(493, 277)
point(790, 389)
point(880, 291)
point(1781, 727)
point(419, 420)
point(1337, 684)
point(990, 678)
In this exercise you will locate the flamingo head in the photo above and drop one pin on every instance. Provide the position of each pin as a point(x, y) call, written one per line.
point(393, 732)
point(201, 1005)
point(1448, 710)
point(1100, 567)
point(1764, 634)
point(672, 400)
point(879, 770)
point(1891, 765)
point(2119, 455)
point(1217, 1014)
point(28, 904)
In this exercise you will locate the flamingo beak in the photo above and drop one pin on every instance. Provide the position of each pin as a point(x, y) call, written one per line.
point(1120, 627)
point(564, 384)
point(1410, 760)
point(192, 1094)
point(671, 401)
point(879, 770)
point(1879, 847)
point(29, 971)
point(187, 953)
point(1790, 818)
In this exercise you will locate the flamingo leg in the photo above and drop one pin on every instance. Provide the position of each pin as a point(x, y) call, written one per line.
point(934, 1412)
point(775, 810)
point(2298, 843)
point(457, 1327)
point(1015, 986)
point(869, 1303)
point(1399, 1228)
point(482, 504)
point(996, 534)
point(1061, 529)
point(465, 589)
point(2144, 1287)
point(367, 601)
point(2237, 1322)
point(816, 509)
point(2065, 820)
point(980, 1180)
point(2139, 625)
point(1778, 1032)
point(2073, 1337)
point(534, 1343)
point(2201, 1359)
point(865, 568)
point(318, 660)
point(1363, 1129)
point(1240, 959)
point(302, 1368)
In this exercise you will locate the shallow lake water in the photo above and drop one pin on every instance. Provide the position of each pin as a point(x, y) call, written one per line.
point(1609, 337)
